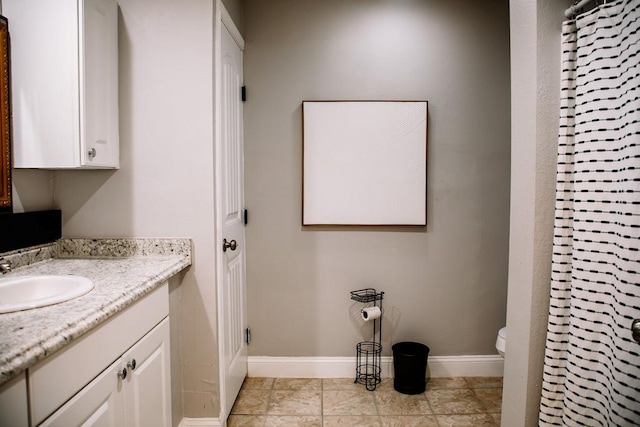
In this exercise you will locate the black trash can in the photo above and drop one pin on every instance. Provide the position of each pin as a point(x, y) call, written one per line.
point(410, 367)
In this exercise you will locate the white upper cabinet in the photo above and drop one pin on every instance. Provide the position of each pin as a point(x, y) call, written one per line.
point(64, 62)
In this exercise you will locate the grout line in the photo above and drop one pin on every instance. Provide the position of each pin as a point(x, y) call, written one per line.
point(375, 404)
point(480, 401)
point(273, 384)
point(322, 402)
point(430, 407)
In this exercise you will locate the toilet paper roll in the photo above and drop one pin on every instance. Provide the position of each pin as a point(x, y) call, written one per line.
point(371, 313)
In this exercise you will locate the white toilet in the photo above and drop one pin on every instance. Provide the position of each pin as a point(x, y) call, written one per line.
point(500, 341)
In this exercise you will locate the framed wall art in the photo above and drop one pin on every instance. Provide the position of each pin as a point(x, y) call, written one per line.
point(364, 163)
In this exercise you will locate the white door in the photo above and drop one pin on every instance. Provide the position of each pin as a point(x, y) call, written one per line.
point(230, 206)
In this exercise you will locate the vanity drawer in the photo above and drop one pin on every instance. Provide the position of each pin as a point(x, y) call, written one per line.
point(58, 378)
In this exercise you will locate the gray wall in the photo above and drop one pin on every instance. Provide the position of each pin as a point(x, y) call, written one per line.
point(32, 190)
point(445, 285)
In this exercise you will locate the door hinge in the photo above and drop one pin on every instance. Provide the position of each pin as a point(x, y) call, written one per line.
point(247, 336)
point(243, 93)
point(245, 216)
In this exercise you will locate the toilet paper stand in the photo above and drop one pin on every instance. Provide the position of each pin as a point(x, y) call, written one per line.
point(369, 353)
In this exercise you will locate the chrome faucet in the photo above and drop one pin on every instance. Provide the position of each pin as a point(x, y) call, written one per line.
point(5, 266)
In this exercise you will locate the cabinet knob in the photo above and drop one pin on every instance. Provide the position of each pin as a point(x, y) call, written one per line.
point(122, 374)
point(92, 153)
point(131, 364)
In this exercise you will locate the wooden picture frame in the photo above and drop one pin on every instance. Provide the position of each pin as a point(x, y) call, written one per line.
point(5, 117)
point(364, 163)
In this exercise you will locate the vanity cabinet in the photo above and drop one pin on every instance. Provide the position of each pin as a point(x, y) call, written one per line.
point(13, 403)
point(117, 375)
point(64, 62)
point(133, 391)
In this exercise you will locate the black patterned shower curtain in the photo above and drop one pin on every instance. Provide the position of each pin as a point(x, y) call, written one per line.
point(592, 364)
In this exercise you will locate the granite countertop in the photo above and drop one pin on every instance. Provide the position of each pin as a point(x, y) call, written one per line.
point(122, 270)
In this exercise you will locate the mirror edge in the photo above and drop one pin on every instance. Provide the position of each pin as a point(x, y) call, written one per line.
point(5, 118)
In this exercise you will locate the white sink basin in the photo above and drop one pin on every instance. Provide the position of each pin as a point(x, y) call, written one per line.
point(25, 292)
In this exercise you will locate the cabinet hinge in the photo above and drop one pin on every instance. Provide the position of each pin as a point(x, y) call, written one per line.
point(243, 93)
point(247, 336)
point(245, 216)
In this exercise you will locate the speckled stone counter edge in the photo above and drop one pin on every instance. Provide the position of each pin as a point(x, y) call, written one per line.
point(179, 249)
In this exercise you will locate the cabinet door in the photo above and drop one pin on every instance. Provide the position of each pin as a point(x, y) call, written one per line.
point(99, 83)
point(147, 397)
point(44, 82)
point(64, 72)
point(99, 404)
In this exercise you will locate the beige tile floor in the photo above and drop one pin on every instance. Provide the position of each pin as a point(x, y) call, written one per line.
point(447, 402)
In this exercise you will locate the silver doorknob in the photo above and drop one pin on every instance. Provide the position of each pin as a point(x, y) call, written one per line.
point(229, 245)
point(122, 374)
point(131, 364)
point(92, 153)
point(635, 330)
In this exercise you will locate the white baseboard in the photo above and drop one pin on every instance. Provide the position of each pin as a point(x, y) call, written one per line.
point(200, 422)
point(465, 366)
point(344, 367)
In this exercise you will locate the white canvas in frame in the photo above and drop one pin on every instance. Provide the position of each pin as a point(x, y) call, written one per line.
point(365, 163)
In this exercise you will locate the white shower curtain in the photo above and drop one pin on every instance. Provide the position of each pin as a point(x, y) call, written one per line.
point(592, 364)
